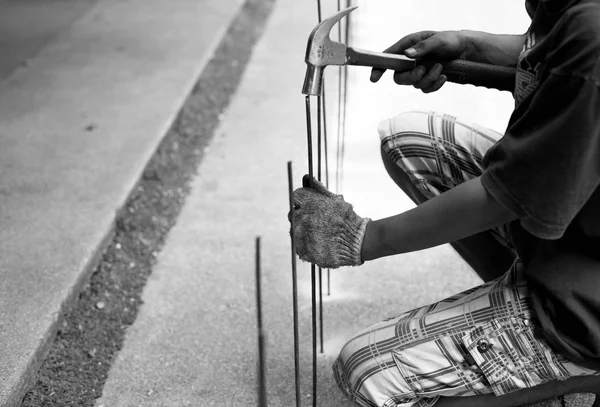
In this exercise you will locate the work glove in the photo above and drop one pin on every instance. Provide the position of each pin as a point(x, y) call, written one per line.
point(327, 230)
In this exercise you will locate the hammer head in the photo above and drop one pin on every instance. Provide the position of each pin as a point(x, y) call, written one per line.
point(322, 51)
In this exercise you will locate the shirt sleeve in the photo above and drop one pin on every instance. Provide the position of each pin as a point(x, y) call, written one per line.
point(547, 165)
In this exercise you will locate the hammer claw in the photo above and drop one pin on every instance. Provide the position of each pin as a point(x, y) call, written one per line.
point(322, 51)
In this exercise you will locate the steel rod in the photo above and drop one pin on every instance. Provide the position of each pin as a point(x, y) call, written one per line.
point(294, 287)
point(319, 10)
point(326, 171)
point(309, 139)
point(339, 111)
point(319, 111)
point(343, 132)
point(319, 173)
point(339, 133)
point(339, 8)
point(262, 388)
point(321, 308)
point(312, 266)
point(345, 102)
point(319, 135)
point(314, 335)
point(325, 149)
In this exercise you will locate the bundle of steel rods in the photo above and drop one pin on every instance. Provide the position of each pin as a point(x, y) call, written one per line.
point(322, 149)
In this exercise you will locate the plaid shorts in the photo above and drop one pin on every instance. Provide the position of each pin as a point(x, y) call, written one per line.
point(478, 342)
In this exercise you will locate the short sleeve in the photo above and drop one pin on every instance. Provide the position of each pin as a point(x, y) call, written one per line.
point(547, 165)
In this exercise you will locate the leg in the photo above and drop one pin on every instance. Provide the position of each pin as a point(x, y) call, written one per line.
point(488, 257)
point(579, 384)
point(475, 349)
point(428, 153)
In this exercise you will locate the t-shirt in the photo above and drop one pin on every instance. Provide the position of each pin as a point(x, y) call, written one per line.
point(546, 170)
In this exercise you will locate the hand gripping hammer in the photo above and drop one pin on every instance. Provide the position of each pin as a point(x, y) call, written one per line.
point(322, 51)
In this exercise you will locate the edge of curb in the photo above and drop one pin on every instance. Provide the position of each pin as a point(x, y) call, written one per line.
point(16, 393)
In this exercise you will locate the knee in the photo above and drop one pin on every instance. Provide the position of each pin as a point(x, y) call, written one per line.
point(402, 137)
point(402, 125)
point(342, 378)
point(348, 368)
point(399, 136)
point(394, 170)
point(366, 372)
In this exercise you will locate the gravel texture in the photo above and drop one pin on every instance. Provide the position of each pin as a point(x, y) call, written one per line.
point(76, 367)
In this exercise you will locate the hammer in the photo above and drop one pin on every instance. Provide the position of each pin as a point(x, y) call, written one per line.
point(322, 51)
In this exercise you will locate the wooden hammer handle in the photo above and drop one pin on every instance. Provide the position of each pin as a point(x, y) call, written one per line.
point(457, 71)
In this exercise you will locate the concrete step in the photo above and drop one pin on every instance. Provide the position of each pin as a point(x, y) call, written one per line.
point(79, 122)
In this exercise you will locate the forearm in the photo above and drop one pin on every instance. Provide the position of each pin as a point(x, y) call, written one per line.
point(497, 49)
point(460, 212)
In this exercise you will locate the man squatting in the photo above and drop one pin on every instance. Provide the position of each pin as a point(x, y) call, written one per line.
point(523, 209)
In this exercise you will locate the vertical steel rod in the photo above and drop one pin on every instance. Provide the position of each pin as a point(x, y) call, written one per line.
point(319, 10)
point(320, 131)
point(319, 172)
point(343, 131)
point(309, 139)
point(294, 286)
point(319, 136)
point(341, 71)
point(321, 308)
point(345, 101)
point(319, 111)
point(312, 266)
point(326, 183)
point(325, 150)
point(314, 335)
point(262, 389)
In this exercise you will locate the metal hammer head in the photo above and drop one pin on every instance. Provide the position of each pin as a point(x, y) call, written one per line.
point(322, 51)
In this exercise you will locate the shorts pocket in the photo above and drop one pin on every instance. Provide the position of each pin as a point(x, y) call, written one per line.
point(437, 366)
point(510, 356)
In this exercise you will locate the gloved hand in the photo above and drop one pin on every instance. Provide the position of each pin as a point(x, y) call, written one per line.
point(327, 230)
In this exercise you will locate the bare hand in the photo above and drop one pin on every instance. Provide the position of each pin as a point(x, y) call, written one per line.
point(443, 45)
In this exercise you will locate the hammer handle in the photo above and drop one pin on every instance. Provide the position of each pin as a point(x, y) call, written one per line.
point(457, 71)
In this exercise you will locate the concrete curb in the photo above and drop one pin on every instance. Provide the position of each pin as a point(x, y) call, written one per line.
point(46, 188)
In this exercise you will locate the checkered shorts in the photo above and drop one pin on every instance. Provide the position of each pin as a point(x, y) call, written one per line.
point(478, 342)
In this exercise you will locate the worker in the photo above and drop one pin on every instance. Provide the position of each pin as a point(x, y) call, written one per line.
point(523, 209)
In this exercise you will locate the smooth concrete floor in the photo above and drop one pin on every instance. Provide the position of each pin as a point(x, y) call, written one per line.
point(194, 341)
point(27, 25)
point(79, 123)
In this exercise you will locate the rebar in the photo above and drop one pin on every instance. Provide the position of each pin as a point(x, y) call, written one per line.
point(312, 266)
point(262, 388)
point(309, 140)
point(294, 286)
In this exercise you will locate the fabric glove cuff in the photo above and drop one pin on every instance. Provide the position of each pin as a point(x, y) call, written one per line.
point(353, 241)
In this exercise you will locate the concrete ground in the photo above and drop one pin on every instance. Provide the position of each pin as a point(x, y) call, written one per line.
point(194, 342)
point(27, 26)
point(87, 91)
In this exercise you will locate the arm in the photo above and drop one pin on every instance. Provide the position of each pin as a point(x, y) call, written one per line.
point(460, 212)
point(497, 49)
